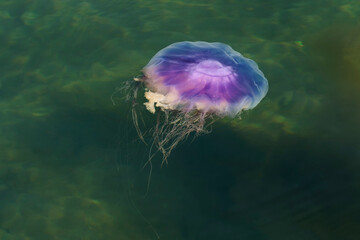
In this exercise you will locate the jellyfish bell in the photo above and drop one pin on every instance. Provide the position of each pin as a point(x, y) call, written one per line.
point(189, 82)
point(209, 77)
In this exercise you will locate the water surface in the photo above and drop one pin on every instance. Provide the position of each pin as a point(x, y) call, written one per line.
point(71, 164)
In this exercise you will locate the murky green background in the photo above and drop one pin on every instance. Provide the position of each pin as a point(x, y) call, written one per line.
point(71, 162)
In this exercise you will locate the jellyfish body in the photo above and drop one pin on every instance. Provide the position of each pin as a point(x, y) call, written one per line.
point(202, 76)
point(188, 83)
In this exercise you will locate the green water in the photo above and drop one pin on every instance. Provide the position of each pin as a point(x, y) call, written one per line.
point(71, 162)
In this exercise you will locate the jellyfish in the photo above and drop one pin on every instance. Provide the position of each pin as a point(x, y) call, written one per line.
point(189, 85)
